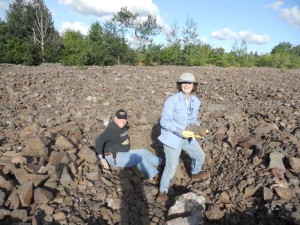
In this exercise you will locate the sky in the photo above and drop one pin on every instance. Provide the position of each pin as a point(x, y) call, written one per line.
point(263, 24)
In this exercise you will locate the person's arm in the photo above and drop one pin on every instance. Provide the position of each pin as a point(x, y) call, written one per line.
point(196, 110)
point(101, 141)
point(166, 120)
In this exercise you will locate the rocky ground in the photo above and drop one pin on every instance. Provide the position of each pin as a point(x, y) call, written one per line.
point(50, 116)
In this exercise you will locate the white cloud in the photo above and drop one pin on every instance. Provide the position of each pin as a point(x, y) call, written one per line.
point(224, 34)
point(77, 26)
point(276, 5)
point(104, 8)
point(292, 16)
point(248, 36)
point(253, 38)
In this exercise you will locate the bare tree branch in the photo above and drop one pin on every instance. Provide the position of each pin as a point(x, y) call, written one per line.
point(42, 25)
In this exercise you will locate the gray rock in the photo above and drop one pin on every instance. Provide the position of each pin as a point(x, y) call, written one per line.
point(187, 209)
point(2, 197)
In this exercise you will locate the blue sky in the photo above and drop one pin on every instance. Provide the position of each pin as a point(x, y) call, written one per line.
point(263, 24)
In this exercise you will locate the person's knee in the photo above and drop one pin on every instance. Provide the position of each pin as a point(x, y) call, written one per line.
point(202, 154)
point(146, 152)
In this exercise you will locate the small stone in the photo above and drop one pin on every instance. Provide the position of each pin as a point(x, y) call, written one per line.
point(284, 193)
point(295, 164)
point(214, 213)
point(267, 193)
point(59, 216)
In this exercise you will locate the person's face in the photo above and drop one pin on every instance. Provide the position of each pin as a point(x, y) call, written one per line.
point(187, 87)
point(120, 122)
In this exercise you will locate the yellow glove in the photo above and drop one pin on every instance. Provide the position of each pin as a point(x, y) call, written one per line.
point(188, 134)
point(198, 136)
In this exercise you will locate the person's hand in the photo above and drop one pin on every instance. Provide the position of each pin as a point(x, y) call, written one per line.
point(194, 128)
point(188, 134)
point(198, 130)
point(184, 133)
point(103, 162)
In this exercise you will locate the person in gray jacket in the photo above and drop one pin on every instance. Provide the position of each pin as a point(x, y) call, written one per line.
point(180, 111)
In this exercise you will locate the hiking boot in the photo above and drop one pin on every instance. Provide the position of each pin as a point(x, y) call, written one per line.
point(201, 175)
point(163, 197)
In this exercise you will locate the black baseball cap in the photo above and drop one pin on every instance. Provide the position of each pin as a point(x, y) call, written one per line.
point(121, 114)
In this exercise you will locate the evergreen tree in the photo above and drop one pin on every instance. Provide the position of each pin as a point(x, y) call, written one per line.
point(30, 36)
point(115, 43)
point(15, 45)
point(96, 48)
point(17, 19)
point(190, 39)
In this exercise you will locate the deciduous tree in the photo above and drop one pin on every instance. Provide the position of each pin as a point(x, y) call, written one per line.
point(42, 28)
point(74, 50)
point(142, 28)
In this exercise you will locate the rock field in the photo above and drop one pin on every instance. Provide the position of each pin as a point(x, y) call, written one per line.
point(50, 116)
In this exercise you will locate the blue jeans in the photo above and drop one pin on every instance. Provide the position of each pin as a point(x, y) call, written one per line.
point(193, 149)
point(142, 158)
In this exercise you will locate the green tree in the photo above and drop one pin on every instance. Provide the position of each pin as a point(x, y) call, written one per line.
point(189, 39)
point(75, 51)
point(239, 50)
point(153, 55)
point(17, 19)
point(264, 61)
point(281, 55)
point(96, 48)
point(96, 32)
point(42, 31)
point(216, 57)
point(172, 55)
point(115, 43)
point(189, 32)
point(3, 34)
point(16, 51)
point(143, 31)
point(29, 24)
point(199, 55)
point(230, 59)
point(296, 50)
point(173, 36)
point(52, 48)
point(282, 47)
point(15, 45)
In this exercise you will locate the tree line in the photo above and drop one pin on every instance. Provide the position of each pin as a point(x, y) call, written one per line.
point(28, 36)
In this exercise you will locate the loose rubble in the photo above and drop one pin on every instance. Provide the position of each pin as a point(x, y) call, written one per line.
point(51, 116)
